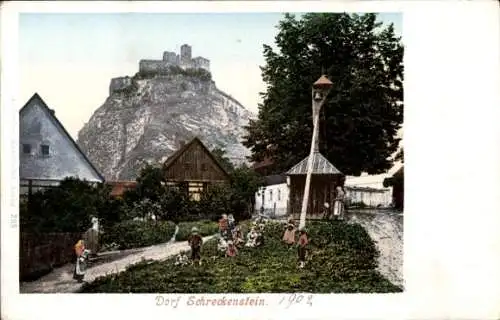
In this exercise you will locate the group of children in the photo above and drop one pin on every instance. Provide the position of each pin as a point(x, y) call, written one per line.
point(230, 240)
point(302, 242)
point(231, 237)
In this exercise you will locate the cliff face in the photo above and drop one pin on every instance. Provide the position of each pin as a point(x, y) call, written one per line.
point(146, 119)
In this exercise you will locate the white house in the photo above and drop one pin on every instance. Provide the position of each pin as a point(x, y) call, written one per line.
point(272, 198)
point(371, 197)
point(370, 189)
point(47, 153)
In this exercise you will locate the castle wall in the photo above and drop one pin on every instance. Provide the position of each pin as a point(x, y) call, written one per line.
point(171, 57)
point(183, 60)
point(202, 63)
point(154, 66)
point(119, 83)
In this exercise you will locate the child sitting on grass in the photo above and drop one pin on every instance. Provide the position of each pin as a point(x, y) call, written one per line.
point(222, 245)
point(238, 237)
point(289, 235)
point(224, 226)
point(182, 259)
point(195, 241)
point(231, 249)
point(302, 244)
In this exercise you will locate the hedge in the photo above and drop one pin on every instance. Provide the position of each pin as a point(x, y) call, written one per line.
point(135, 234)
point(205, 228)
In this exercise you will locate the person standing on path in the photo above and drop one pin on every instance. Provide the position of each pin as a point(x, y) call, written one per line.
point(195, 241)
point(338, 208)
point(303, 242)
point(80, 266)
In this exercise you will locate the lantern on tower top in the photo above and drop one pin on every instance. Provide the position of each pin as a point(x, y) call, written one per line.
point(321, 88)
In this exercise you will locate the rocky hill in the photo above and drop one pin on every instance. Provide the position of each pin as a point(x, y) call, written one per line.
point(147, 117)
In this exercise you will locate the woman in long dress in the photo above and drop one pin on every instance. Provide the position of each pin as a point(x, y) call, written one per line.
point(80, 265)
point(338, 207)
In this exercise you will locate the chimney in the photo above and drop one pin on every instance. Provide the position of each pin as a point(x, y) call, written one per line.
point(53, 112)
point(182, 143)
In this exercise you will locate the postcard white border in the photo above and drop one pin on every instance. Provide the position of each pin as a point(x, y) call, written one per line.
point(452, 154)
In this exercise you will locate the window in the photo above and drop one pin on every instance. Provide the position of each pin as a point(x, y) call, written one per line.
point(45, 150)
point(270, 195)
point(279, 194)
point(195, 190)
point(26, 148)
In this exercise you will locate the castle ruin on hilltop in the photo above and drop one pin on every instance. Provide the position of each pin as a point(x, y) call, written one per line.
point(170, 59)
point(183, 60)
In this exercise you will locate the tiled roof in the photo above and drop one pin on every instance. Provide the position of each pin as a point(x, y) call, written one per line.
point(264, 163)
point(119, 187)
point(275, 179)
point(369, 189)
point(320, 166)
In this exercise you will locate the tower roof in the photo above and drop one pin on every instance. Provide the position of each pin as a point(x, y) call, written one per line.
point(323, 81)
point(321, 166)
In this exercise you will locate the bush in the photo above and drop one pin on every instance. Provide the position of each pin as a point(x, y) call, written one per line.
point(337, 264)
point(205, 228)
point(135, 234)
point(66, 208)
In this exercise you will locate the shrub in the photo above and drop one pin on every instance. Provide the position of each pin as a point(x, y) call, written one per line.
point(135, 234)
point(205, 228)
point(66, 208)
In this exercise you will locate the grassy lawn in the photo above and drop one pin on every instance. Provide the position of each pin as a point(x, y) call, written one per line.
point(342, 260)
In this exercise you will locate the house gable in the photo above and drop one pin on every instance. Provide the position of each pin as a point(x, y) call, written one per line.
point(46, 150)
point(194, 162)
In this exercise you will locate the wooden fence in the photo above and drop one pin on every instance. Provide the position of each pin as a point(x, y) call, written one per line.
point(40, 253)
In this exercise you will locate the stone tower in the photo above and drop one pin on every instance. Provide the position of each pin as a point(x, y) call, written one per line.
point(185, 54)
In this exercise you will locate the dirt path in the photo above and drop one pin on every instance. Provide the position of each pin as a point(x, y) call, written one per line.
point(61, 279)
point(386, 229)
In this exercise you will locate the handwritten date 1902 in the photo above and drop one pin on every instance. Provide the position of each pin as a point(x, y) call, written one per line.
point(295, 299)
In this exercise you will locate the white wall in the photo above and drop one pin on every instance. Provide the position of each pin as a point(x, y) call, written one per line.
point(381, 197)
point(274, 195)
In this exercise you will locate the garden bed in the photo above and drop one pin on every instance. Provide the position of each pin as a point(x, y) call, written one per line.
point(342, 260)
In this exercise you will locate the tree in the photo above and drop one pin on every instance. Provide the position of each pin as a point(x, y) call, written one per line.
point(363, 112)
point(150, 183)
point(244, 184)
point(400, 156)
point(220, 155)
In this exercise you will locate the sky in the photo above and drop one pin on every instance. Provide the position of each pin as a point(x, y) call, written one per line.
point(70, 58)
